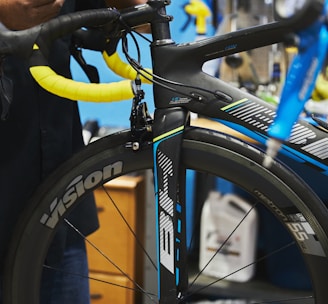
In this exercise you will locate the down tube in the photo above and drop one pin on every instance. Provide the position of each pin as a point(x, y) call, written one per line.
point(170, 203)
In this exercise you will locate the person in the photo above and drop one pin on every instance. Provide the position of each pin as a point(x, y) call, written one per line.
point(39, 132)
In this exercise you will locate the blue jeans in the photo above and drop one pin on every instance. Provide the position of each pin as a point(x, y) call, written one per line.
point(63, 287)
point(71, 286)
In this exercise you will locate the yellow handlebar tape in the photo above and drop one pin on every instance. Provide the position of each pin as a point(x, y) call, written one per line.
point(74, 90)
point(123, 69)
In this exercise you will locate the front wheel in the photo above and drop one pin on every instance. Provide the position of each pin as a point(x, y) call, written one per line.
point(207, 153)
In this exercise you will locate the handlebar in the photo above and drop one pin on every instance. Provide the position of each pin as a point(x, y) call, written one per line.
point(21, 42)
point(34, 43)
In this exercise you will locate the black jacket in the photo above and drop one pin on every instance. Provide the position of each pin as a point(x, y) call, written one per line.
point(41, 132)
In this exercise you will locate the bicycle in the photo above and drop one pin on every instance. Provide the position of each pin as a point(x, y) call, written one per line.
point(168, 145)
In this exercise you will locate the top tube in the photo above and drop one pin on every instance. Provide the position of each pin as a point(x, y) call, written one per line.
point(154, 12)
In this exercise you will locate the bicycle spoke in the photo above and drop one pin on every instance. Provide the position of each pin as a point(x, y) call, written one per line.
point(88, 277)
point(139, 288)
point(222, 246)
point(129, 227)
point(196, 291)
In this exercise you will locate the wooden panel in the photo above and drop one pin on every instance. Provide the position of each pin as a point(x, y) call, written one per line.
point(214, 125)
point(120, 253)
point(102, 293)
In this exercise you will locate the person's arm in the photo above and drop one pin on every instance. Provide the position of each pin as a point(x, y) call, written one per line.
point(22, 14)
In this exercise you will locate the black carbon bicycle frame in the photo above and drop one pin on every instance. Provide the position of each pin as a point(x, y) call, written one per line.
point(188, 88)
point(181, 86)
point(192, 89)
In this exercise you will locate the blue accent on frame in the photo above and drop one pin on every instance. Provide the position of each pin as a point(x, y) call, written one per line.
point(177, 276)
point(155, 147)
point(179, 208)
point(285, 150)
point(179, 226)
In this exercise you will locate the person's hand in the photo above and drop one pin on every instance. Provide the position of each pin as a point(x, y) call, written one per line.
point(23, 14)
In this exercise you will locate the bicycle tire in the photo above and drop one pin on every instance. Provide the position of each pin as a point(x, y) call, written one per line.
point(280, 190)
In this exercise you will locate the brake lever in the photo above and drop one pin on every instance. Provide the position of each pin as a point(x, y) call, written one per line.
point(89, 70)
point(95, 39)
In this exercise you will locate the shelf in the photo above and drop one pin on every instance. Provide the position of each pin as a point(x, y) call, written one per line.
point(255, 289)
